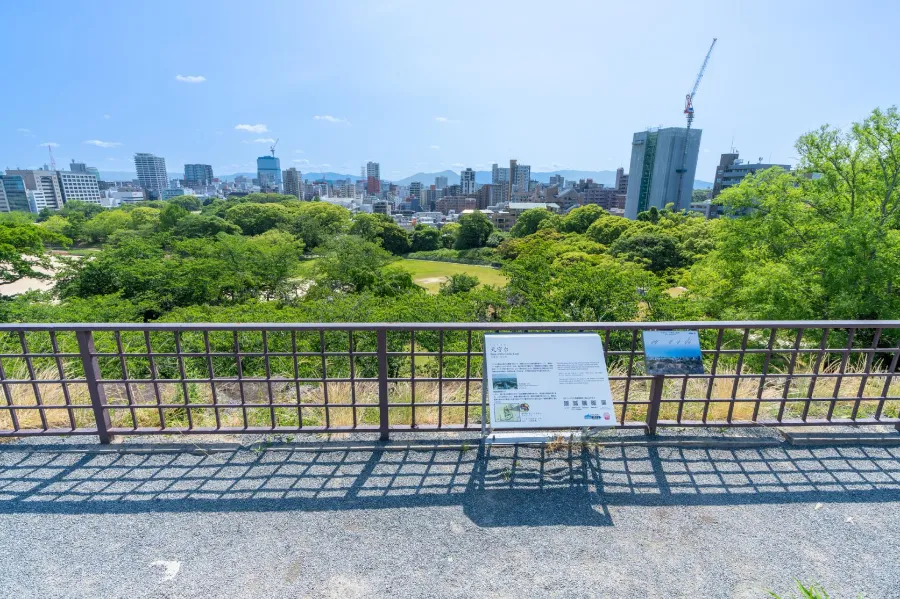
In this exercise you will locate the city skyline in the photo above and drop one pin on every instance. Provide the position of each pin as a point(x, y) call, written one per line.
point(207, 102)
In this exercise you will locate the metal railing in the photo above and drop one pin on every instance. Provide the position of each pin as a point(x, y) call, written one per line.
point(113, 379)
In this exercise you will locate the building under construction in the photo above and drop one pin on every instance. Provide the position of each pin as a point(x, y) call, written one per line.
point(662, 161)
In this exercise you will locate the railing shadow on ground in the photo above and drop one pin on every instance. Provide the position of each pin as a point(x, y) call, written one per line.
point(496, 486)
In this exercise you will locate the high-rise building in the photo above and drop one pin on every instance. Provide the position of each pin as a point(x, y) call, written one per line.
point(293, 183)
point(83, 187)
point(45, 184)
point(440, 182)
point(523, 177)
point(373, 178)
point(151, 173)
point(657, 158)
point(467, 182)
point(268, 171)
point(558, 180)
point(484, 197)
point(513, 176)
point(13, 195)
point(621, 181)
point(732, 170)
point(78, 167)
point(197, 176)
point(416, 194)
point(499, 175)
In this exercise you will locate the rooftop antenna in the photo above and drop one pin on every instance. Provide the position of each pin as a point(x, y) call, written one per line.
point(272, 148)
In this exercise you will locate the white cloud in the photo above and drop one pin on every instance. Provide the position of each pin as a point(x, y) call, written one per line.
point(49, 144)
point(25, 131)
point(330, 119)
point(259, 140)
point(299, 152)
point(103, 144)
point(435, 147)
point(443, 119)
point(190, 78)
point(106, 116)
point(458, 164)
point(258, 128)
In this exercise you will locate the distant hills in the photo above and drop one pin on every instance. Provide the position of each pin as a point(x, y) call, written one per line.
point(605, 177)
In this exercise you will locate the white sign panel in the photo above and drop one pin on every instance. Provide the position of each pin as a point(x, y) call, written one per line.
point(547, 380)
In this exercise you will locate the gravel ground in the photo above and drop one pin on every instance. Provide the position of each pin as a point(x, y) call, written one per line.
point(595, 521)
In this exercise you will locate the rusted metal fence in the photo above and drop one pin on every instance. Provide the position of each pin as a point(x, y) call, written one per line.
point(113, 379)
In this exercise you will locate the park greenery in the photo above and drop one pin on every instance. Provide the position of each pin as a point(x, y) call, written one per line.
point(820, 242)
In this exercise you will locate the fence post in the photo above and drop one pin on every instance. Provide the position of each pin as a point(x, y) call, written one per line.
point(656, 390)
point(96, 391)
point(383, 418)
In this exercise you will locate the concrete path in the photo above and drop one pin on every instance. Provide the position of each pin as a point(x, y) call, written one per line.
point(505, 522)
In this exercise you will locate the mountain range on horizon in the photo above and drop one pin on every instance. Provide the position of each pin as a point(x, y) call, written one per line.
point(607, 178)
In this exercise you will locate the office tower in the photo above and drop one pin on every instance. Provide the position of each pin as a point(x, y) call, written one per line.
point(440, 182)
point(657, 159)
point(91, 170)
point(293, 183)
point(151, 173)
point(558, 180)
point(197, 175)
point(83, 187)
point(732, 170)
point(268, 171)
point(484, 197)
point(621, 181)
point(45, 183)
point(467, 182)
point(13, 195)
point(78, 167)
point(513, 176)
point(499, 175)
point(373, 178)
point(523, 177)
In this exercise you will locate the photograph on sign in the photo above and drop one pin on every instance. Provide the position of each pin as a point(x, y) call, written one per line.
point(672, 352)
point(547, 380)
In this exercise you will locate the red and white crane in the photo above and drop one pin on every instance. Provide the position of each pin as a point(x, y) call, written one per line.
point(689, 115)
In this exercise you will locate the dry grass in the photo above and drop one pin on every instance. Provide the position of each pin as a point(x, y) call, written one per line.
point(358, 404)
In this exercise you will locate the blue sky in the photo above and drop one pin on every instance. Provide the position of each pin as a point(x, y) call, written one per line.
point(425, 86)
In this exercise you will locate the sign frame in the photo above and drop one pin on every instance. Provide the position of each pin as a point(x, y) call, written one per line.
point(587, 377)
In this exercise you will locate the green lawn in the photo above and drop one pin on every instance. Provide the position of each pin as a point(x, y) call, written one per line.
point(430, 274)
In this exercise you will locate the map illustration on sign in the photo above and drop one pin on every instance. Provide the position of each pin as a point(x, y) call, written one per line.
point(672, 352)
point(547, 380)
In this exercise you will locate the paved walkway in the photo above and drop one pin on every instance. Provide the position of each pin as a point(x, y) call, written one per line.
point(506, 522)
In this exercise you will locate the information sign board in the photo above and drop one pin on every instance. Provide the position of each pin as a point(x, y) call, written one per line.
point(672, 352)
point(547, 380)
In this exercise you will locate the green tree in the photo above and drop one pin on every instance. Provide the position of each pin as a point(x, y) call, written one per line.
point(256, 219)
point(474, 230)
point(22, 251)
point(821, 243)
point(204, 225)
point(579, 219)
point(316, 222)
point(349, 263)
point(425, 238)
point(103, 225)
point(448, 235)
point(189, 203)
point(607, 229)
point(655, 249)
point(459, 283)
point(529, 221)
point(170, 215)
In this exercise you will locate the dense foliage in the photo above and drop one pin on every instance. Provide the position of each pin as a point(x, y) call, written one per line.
point(820, 242)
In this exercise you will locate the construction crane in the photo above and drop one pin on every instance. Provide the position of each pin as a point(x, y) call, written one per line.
point(689, 115)
point(272, 147)
point(52, 161)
